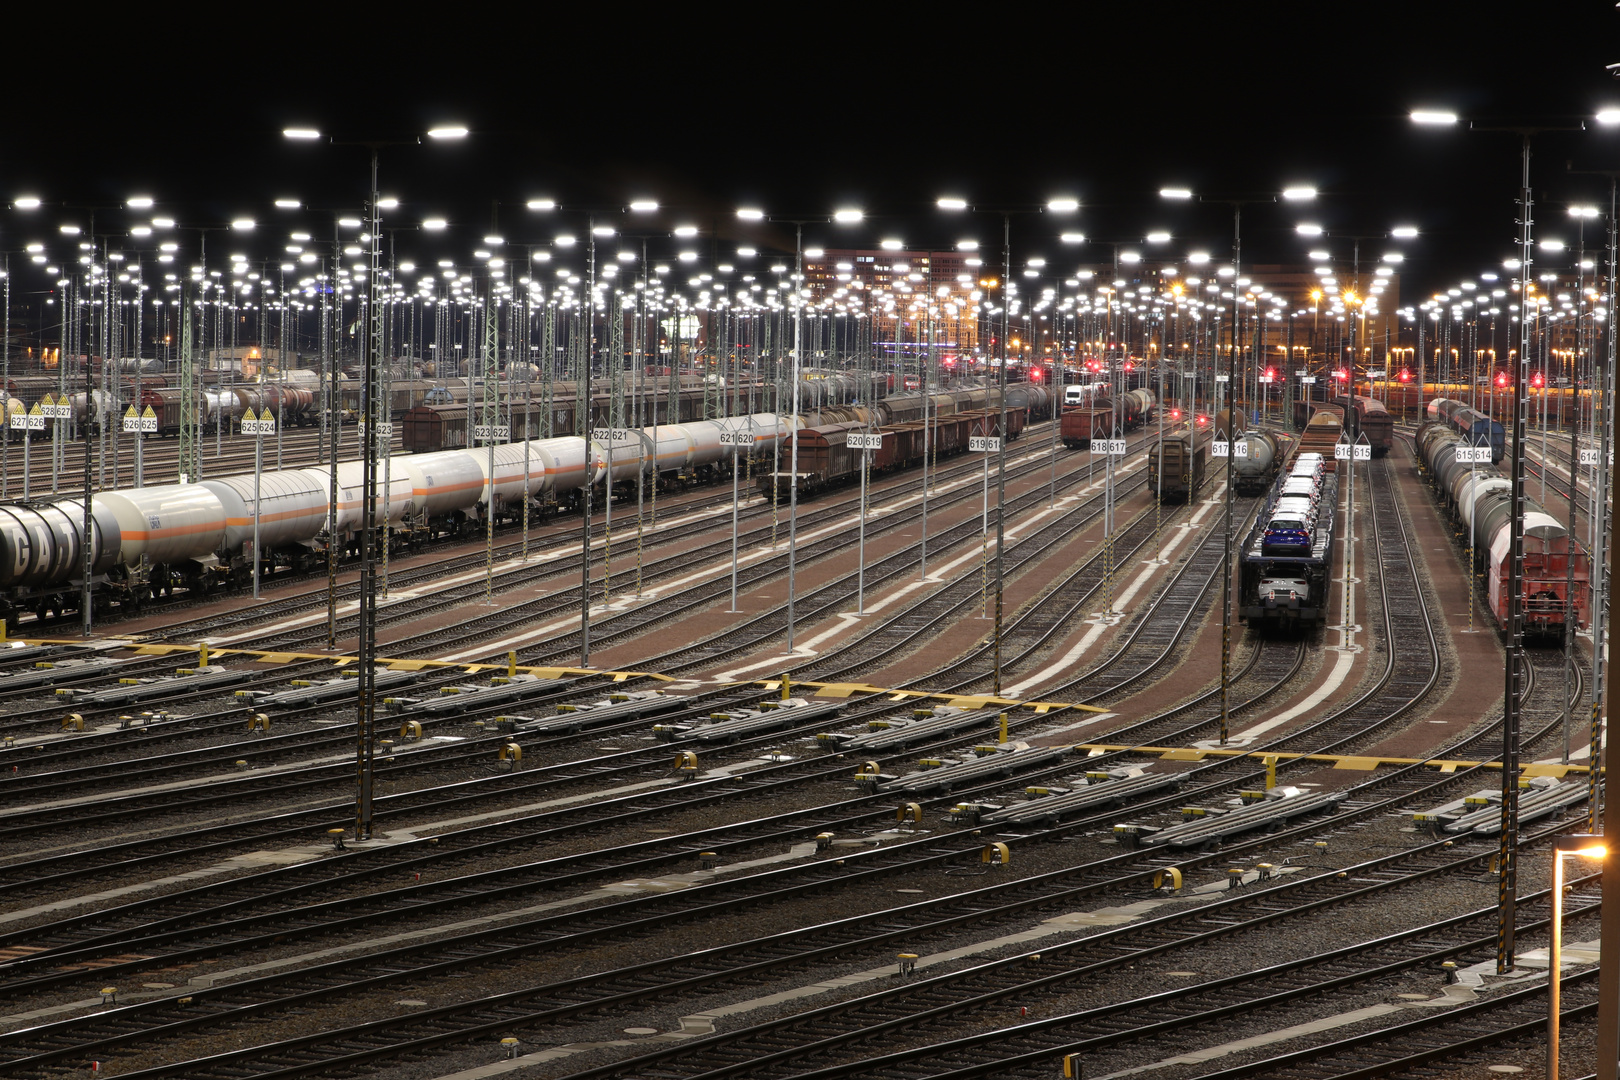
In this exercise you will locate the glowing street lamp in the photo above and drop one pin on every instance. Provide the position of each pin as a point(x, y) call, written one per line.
point(374, 366)
point(1580, 845)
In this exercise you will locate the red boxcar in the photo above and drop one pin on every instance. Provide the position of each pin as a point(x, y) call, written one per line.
point(1083, 423)
point(988, 422)
point(1546, 568)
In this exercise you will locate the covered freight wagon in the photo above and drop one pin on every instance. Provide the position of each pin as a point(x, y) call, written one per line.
point(1176, 473)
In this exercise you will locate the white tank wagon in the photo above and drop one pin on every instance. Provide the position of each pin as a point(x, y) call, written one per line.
point(701, 450)
point(443, 484)
point(627, 455)
point(292, 505)
point(167, 536)
point(1472, 490)
point(393, 501)
point(571, 463)
point(513, 479)
point(768, 429)
point(220, 405)
point(678, 449)
point(169, 524)
point(199, 536)
point(100, 412)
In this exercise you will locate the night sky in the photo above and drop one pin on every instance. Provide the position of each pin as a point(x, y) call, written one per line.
point(799, 109)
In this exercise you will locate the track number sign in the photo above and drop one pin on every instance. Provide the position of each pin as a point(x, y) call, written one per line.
point(145, 423)
point(984, 442)
point(491, 432)
point(1111, 447)
point(868, 442)
point(1473, 455)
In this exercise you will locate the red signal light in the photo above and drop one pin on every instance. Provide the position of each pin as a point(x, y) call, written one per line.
point(1175, 414)
point(1535, 380)
point(1406, 376)
point(1340, 373)
point(1129, 366)
point(1271, 373)
point(1036, 375)
point(1501, 378)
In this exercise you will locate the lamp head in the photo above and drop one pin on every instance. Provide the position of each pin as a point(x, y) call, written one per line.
point(1587, 845)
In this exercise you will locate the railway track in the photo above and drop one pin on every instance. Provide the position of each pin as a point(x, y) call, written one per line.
point(263, 752)
point(930, 1013)
point(304, 1058)
point(829, 598)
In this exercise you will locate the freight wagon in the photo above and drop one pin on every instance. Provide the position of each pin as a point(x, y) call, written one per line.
point(1177, 474)
point(1082, 423)
point(199, 537)
point(1367, 416)
point(1481, 500)
point(1290, 591)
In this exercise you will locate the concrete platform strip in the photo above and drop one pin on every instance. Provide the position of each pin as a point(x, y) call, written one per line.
point(808, 648)
point(712, 572)
point(1065, 663)
point(1342, 663)
point(1352, 762)
point(217, 778)
point(175, 785)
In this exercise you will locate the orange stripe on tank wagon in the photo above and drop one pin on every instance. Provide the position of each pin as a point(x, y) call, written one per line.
point(284, 515)
point(442, 488)
point(182, 530)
